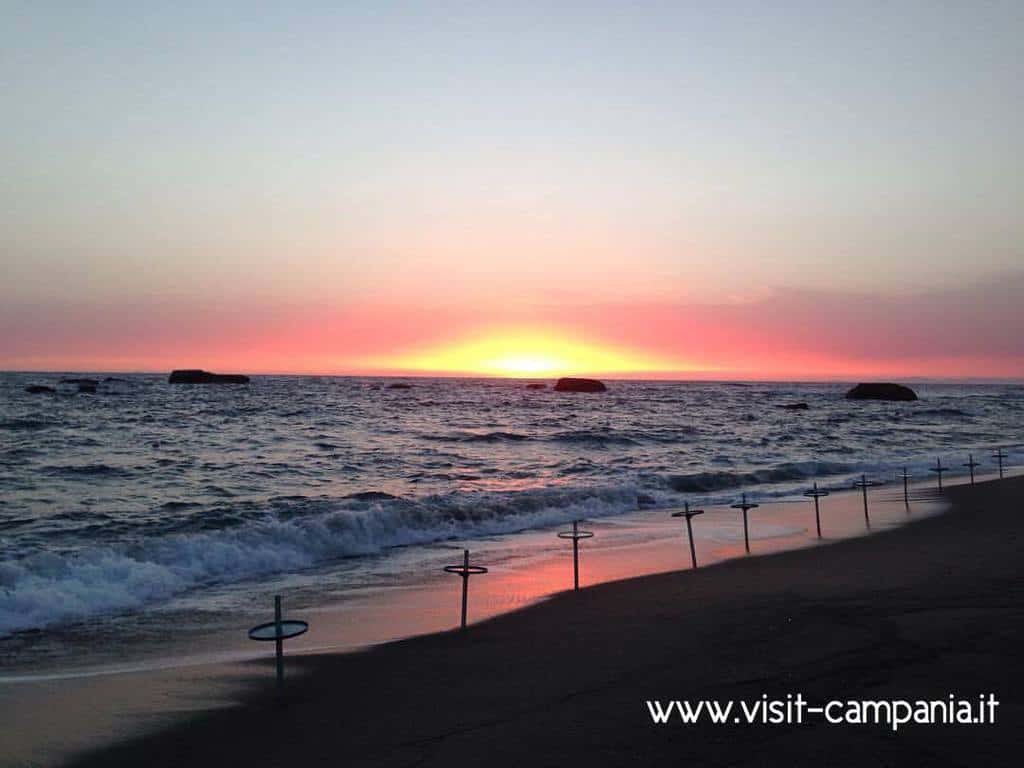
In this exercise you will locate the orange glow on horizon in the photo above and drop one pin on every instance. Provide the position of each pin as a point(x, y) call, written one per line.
point(524, 354)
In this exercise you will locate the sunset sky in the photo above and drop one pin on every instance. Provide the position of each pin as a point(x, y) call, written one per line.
point(758, 190)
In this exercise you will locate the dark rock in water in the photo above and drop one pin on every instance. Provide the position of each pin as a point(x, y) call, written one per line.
point(81, 382)
point(794, 406)
point(580, 385)
point(39, 389)
point(536, 385)
point(881, 391)
point(88, 387)
point(115, 380)
point(195, 376)
point(370, 496)
point(399, 385)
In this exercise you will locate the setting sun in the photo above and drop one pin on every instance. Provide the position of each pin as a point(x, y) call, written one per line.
point(525, 353)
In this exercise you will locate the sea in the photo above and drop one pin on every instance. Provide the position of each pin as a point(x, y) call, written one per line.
point(145, 499)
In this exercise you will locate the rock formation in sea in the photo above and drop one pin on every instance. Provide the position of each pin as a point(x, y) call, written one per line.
point(195, 376)
point(881, 391)
point(580, 385)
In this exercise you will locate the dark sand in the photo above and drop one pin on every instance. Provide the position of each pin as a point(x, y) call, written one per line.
point(921, 611)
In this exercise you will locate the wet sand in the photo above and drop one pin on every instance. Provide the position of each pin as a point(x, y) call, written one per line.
point(920, 611)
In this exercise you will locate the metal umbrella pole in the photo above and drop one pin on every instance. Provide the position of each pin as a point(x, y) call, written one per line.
point(864, 484)
point(465, 571)
point(971, 464)
point(575, 534)
point(906, 492)
point(816, 493)
point(688, 514)
point(745, 506)
point(938, 469)
point(278, 631)
point(999, 456)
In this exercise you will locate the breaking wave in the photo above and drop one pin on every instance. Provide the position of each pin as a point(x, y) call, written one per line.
point(707, 482)
point(46, 589)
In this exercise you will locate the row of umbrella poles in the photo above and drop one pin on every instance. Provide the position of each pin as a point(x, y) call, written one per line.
point(971, 464)
point(465, 570)
point(282, 629)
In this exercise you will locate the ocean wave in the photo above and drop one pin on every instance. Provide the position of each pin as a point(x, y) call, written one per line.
point(709, 482)
point(938, 413)
point(591, 437)
point(13, 454)
point(594, 437)
point(27, 425)
point(46, 589)
point(371, 496)
point(478, 437)
point(74, 470)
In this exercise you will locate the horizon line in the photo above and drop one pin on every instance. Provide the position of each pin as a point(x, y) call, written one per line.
point(640, 377)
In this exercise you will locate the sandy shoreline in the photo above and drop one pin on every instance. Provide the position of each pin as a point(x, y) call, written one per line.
point(921, 611)
point(404, 593)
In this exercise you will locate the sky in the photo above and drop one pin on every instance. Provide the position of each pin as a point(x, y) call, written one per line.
point(672, 190)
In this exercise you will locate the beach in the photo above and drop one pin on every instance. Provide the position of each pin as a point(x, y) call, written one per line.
point(921, 611)
point(511, 383)
point(151, 514)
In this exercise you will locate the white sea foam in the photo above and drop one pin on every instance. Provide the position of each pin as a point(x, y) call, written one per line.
point(46, 589)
